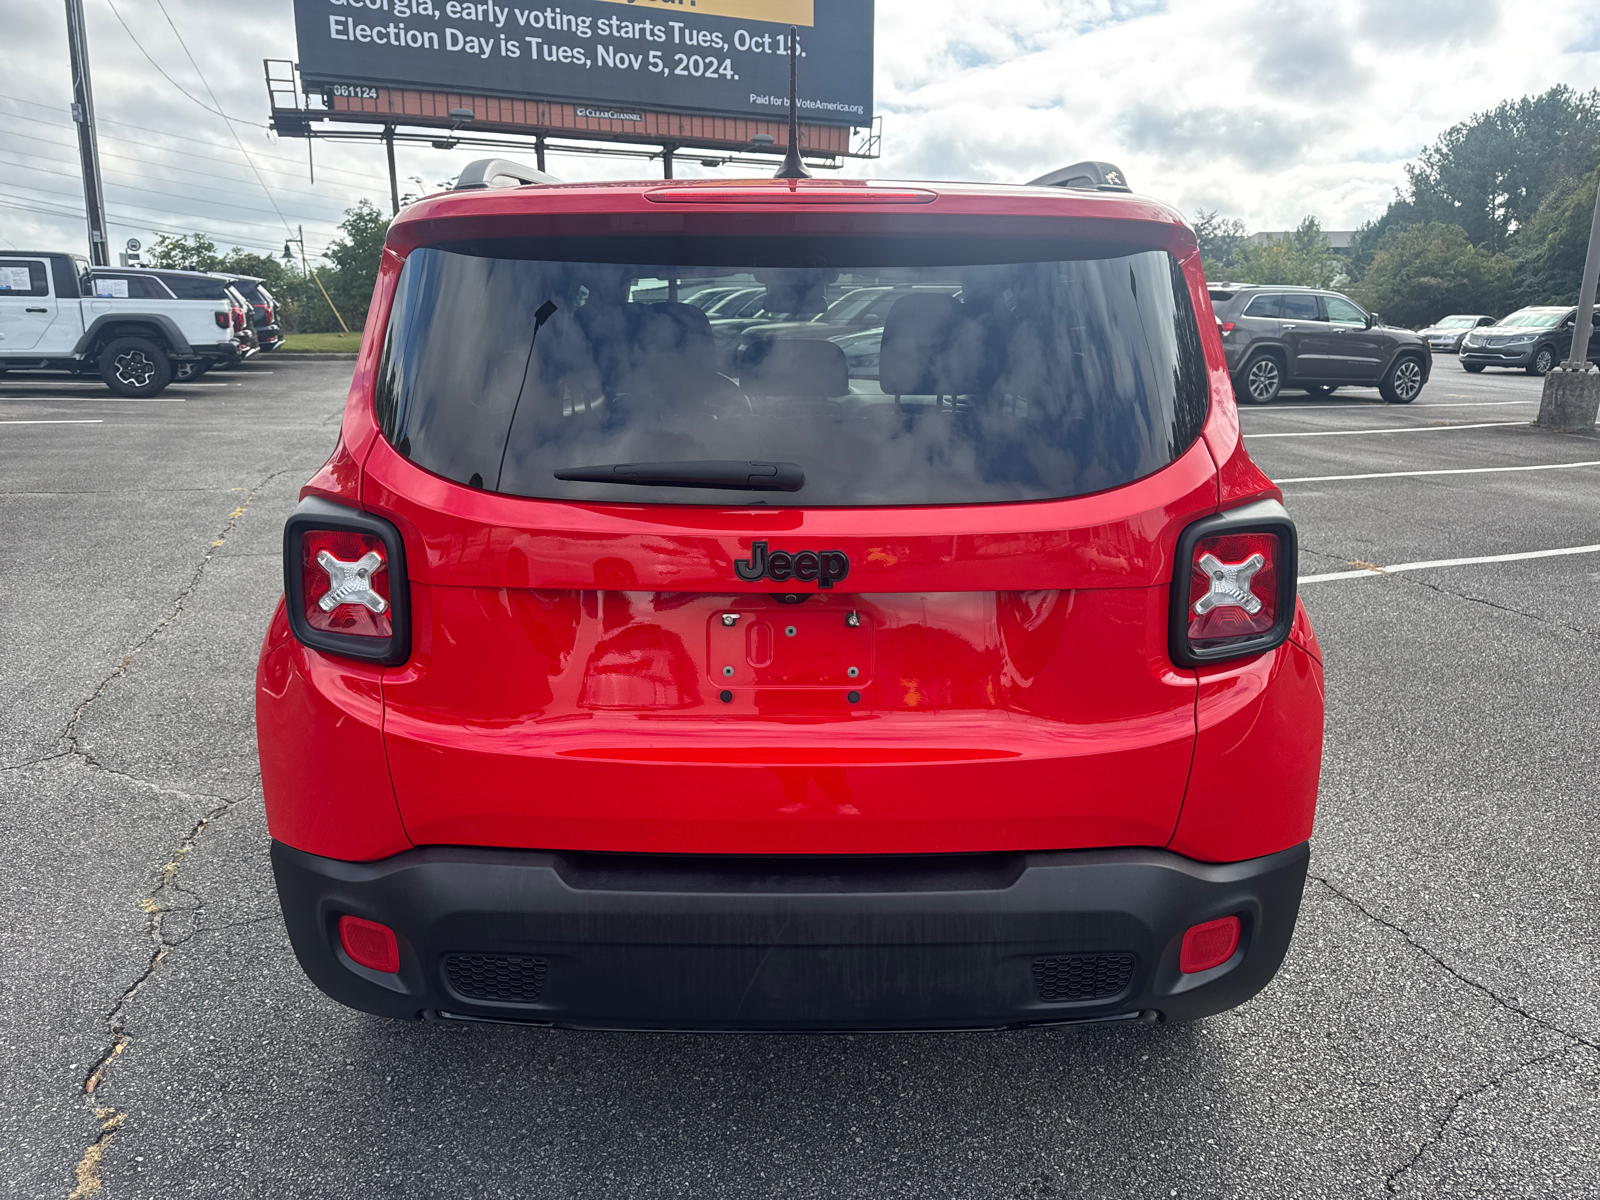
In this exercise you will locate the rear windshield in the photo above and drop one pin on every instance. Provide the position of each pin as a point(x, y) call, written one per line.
point(1002, 374)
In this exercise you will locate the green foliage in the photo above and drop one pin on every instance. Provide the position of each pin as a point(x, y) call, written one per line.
point(1490, 174)
point(1422, 272)
point(1551, 247)
point(1302, 258)
point(355, 258)
point(1220, 239)
point(194, 252)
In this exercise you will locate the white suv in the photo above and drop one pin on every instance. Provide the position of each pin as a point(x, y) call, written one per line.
point(127, 326)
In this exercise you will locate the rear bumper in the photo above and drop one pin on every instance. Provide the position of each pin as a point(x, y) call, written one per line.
point(721, 943)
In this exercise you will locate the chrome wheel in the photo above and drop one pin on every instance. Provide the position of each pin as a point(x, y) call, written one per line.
point(1544, 361)
point(1263, 380)
point(134, 368)
point(1407, 381)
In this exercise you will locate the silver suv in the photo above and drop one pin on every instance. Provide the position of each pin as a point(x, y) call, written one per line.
point(1278, 337)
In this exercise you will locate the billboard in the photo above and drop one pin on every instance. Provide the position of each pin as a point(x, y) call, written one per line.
point(609, 58)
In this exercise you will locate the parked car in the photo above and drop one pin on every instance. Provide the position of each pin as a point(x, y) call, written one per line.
point(1534, 339)
point(864, 308)
point(263, 308)
point(612, 691)
point(128, 327)
point(1277, 337)
point(1444, 335)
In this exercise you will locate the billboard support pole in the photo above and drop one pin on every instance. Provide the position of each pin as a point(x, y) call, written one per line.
point(666, 160)
point(394, 185)
point(94, 197)
point(792, 167)
point(538, 152)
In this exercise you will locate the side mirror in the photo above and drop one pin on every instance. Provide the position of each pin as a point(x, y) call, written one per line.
point(1372, 319)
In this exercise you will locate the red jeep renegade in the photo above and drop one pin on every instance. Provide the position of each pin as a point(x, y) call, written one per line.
point(921, 654)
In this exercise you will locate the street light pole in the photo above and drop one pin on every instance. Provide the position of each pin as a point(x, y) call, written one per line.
point(1571, 396)
point(94, 198)
point(1591, 273)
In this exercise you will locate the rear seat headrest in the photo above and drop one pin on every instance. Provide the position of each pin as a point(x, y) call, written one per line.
point(916, 358)
point(793, 368)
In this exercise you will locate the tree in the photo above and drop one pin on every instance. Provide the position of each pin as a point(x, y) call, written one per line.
point(1219, 238)
point(1490, 174)
point(1302, 258)
point(192, 252)
point(1422, 272)
point(1552, 246)
point(355, 258)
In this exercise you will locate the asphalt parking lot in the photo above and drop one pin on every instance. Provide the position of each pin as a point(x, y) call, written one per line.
point(1434, 1030)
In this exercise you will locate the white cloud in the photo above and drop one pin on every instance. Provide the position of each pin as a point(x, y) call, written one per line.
point(1266, 109)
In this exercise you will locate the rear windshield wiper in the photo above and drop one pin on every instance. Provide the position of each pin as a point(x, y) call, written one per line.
point(730, 473)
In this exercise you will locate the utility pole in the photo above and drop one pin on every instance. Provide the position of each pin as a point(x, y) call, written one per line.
point(394, 184)
point(94, 197)
point(1571, 396)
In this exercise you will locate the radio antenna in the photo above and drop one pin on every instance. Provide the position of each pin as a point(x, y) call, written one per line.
point(792, 167)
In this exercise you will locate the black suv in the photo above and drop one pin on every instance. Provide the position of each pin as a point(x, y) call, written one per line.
point(1534, 339)
point(1277, 337)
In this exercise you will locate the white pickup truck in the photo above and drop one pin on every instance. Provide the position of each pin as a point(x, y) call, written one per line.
point(56, 313)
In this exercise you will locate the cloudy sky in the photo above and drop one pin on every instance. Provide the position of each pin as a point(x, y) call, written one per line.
point(1264, 109)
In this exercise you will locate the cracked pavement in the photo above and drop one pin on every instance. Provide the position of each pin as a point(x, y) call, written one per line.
point(1434, 1029)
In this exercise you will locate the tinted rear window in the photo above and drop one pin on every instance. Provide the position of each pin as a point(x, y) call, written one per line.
point(23, 277)
point(186, 288)
point(985, 381)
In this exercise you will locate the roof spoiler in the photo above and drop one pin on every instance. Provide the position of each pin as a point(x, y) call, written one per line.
point(493, 172)
point(1090, 176)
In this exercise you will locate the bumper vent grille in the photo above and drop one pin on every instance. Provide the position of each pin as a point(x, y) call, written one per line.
point(1082, 976)
point(509, 978)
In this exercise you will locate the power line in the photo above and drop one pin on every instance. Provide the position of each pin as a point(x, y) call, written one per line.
point(44, 208)
point(136, 188)
point(187, 170)
point(182, 137)
point(270, 198)
point(216, 111)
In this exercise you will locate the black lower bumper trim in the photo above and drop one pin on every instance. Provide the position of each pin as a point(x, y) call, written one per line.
point(819, 944)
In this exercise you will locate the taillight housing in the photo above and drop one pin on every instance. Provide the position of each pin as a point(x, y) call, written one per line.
point(1225, 326)
point(1233, 585)
point(344, 583)
point(238, 318)
point(223, 320)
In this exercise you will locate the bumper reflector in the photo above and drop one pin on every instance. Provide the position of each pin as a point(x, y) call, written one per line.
point(1208, 945)
point(371, 944)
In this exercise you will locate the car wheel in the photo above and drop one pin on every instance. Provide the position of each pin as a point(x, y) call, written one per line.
point(1403, 382)
point(1321, 389)
point(1544, 358)
point(1263, 380)
point(1472, 368)
point(135, 367)
point(186, 371)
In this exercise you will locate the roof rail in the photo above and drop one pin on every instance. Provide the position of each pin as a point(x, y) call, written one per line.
point(489, 172)
point(1091, 176)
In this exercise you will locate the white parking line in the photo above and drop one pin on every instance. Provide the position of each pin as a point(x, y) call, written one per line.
point(1294, 408)
point(1407, 429)
point(99, 399)
point(1366, 572)
point(96, 421)
point(1450, 471)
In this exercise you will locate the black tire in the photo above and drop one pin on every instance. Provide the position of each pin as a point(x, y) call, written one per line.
point(1542, 362)
point(188, 372)
point(135, 367)
point(1472, 368)
point(1262, 380)
point(1321, 389)
point(1402, 382)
